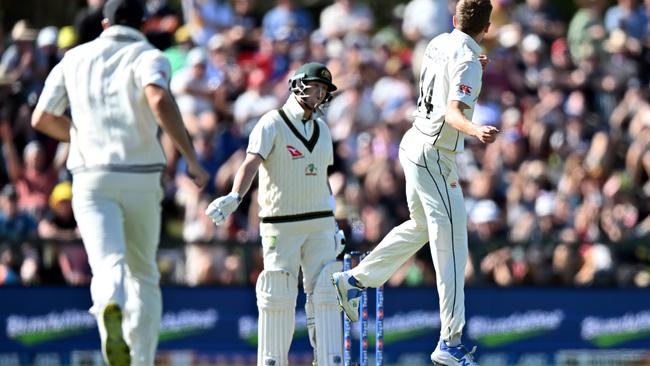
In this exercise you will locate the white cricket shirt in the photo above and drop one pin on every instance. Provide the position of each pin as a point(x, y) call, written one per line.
point(103, 84)
point(450, 71)
point(293, 176)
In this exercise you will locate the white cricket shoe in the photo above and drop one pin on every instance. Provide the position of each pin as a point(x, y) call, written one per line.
point(453, 356)
point(348, 294)
point(114, 348)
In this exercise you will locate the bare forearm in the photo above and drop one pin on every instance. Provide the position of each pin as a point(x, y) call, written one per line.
point(57, 127)
point(11, 159)
point(245, 175)
point(170, 120)
point(457, 120)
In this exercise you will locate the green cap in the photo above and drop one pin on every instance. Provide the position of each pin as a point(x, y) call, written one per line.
point(314, 71)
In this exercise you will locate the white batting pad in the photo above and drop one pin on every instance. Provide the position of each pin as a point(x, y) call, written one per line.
point(327, 318)
point(276, 303)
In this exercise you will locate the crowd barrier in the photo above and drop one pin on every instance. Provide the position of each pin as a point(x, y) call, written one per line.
point(218, 326)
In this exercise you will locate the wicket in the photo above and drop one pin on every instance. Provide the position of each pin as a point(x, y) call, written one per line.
point(363, 323)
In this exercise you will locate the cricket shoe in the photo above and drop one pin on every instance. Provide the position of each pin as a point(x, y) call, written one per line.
point(348, 294)
point(444, 355)
point(114, 348)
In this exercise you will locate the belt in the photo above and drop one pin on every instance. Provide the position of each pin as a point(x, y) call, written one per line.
point(298, 217)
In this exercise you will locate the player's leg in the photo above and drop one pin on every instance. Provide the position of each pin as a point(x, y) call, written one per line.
point(277, 289)
point(143, 299)
point(398, 246)
point(402, 242)
point(442, 199)
point(323, 314)
point(99, 218)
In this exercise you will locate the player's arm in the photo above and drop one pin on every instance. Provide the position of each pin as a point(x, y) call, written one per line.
point(457, 119)
point(260, 144)
point(463, 91)
point(48, 116)
point(164, 107)
point(245, 174)
point(57, 127)
point(219, 209)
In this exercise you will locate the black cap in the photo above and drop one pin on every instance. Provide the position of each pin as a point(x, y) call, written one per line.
point(125, 12)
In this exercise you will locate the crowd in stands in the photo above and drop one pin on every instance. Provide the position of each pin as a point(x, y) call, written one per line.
point(562, 198)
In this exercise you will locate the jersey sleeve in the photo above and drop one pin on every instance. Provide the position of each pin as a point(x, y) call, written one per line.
point(262, 138)
point(54, 97)
point(465, 84)
point(154, 69)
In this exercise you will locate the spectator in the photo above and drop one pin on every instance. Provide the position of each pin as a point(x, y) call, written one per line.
point(15, 225)
point(35, 178)
point(195, 94)
point(345, 16)
point(58, 222)
point(628, 16)
point(287, 18)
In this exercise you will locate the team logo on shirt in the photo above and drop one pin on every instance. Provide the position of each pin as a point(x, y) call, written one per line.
point(311, 170)
point(464, 89)
point(295, 153)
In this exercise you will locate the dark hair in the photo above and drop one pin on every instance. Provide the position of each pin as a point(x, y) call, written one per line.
point(125, 12)
point(472, 16)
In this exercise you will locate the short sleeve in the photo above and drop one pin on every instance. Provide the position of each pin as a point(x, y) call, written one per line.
point(465, 84)
point(262, 137)
point(54, 97)
point(154, 68)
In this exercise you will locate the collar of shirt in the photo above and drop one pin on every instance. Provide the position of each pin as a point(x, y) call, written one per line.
point(465, 38)
point(123, 32)
point(294, 111)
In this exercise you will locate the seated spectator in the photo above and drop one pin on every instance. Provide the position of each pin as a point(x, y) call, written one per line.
point(8, 267)
point(58, 222)
point(206, 18)
point(73, 262)
point(195, 94)
point(15, 225)
point(286, 15)
point(345, 16)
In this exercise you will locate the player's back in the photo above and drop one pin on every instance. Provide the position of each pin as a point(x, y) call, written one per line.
point(105, 80)
point(446, 58)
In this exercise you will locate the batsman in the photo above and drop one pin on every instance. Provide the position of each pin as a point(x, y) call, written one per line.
point(292, 149)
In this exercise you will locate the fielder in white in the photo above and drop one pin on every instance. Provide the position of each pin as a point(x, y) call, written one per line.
point(292, 149)
point(450, 82)
point(117, 90)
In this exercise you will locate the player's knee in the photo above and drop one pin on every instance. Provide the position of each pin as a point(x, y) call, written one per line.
point(277, 289)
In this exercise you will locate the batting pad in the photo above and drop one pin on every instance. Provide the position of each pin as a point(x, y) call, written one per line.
point(327, 318)
point(276, 302)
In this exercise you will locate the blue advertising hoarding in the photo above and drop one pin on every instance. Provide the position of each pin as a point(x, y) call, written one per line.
point(538, 325)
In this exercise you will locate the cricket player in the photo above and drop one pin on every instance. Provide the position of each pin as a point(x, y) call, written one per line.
point(450, 82)
point(117, 90)
point(292, 148)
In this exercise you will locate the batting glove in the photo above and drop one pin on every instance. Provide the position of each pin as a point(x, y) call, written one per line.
point(219, 209)
point(339, 238)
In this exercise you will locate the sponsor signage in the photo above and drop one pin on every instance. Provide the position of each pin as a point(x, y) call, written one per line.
point(509, 326)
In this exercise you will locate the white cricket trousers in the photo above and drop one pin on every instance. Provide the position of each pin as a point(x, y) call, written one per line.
point(119, 215)
point(438, 216)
